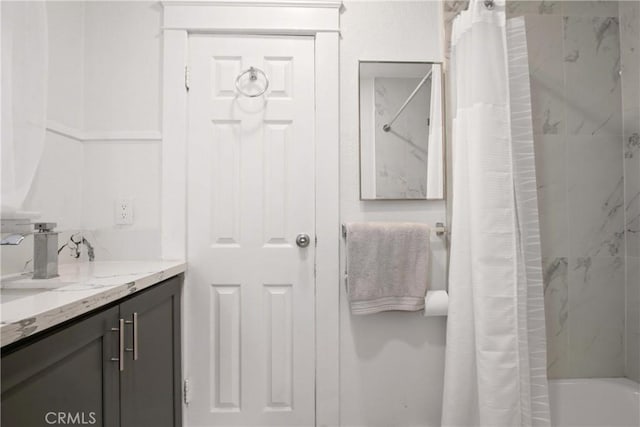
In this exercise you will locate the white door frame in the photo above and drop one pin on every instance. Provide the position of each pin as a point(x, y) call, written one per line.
point(319, 19)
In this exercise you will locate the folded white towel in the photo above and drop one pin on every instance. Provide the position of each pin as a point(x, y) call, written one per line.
point(387, 266)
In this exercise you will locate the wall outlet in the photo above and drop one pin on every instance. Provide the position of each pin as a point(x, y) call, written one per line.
point(124, 212)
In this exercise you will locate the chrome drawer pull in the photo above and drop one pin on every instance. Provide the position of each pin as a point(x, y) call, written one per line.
point(134, 322)
point(120, 359)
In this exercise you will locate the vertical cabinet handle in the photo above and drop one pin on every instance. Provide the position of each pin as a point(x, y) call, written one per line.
point(134, 322)
point(120, 358)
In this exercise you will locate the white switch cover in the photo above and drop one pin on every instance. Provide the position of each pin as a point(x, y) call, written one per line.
point(124, 212)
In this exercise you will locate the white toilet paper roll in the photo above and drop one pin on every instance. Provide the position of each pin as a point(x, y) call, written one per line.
point(436, 303)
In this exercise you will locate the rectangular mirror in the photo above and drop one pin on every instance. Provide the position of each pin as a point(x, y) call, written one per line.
point(401, 130)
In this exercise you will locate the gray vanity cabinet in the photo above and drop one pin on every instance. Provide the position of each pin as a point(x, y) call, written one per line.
point(68, 375)
point(65, 375)
point(150, 387)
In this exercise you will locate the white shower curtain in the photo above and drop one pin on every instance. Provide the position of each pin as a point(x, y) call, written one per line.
point(495, 370)
point(24, 98)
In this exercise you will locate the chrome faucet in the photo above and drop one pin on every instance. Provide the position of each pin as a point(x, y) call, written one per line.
point(13, 240)
point(45, 249)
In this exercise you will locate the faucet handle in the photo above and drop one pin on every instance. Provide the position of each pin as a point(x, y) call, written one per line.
point(44, 227)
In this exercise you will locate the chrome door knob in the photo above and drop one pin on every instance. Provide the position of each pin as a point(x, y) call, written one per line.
point(303, 240)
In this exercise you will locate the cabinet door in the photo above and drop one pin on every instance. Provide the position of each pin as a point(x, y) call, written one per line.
point(66, 377)
point(150, 387)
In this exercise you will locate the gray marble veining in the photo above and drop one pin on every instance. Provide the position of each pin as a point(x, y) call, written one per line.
point(583, 58)
point(632, 332)
point(401, 154)
point(593, 8)
point(592, 75)
point(80, 288)
point(596, 196)
point(596, 317)
point(533, 7)
point(546, 74)
point(556, 295)
point(551, 171)
point(632, 146)
point(630, 60)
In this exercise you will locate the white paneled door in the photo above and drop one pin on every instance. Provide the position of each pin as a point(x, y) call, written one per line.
point(250, 304)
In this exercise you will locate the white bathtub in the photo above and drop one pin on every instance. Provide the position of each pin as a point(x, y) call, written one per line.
point(594, 402)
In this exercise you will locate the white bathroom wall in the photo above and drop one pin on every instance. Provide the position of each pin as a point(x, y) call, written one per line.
point(391, 364)
point(104, 138)
point(56, 190)
point(122, 170)
point(55, 194)
point(66, 64)
point(122, 66)
point(122, 127)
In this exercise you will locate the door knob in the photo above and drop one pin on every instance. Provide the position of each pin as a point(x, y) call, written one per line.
point(303, 240)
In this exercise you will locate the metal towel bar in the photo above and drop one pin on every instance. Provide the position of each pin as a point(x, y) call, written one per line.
point(439, 229)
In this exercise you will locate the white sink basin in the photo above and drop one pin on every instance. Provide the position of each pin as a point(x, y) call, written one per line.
point(22, 285)
point(8, 295)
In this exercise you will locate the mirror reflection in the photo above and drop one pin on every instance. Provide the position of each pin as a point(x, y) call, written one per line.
point(401, 131)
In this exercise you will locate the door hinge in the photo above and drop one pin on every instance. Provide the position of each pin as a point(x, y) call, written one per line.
point(186, 392)
point(187, 80)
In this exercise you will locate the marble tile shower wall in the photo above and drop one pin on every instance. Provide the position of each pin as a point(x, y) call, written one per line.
point(585, 188)
point(630, 61)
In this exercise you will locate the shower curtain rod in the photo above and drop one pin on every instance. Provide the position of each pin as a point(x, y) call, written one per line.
point(387, 127)
point(489, 4)
point(459, 6)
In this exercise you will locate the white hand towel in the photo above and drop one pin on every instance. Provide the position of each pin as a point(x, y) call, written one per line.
point(387, 266)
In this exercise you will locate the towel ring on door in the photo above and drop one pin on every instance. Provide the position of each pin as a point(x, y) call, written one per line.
point(253, 76)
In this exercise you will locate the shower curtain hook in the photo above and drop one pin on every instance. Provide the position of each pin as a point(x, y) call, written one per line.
point(489, 4)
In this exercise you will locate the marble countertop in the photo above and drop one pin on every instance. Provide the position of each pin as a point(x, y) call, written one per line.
point(28, 306)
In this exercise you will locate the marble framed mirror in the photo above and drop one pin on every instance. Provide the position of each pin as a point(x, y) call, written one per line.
point(401, 130)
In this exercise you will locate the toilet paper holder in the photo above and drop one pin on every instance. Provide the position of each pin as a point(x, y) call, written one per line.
point(436, 303)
